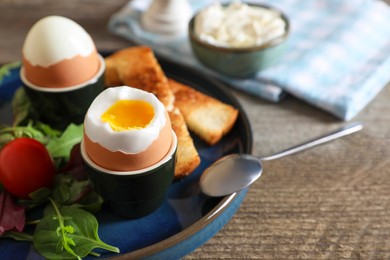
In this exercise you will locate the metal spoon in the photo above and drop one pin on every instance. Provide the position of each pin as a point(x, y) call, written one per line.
point(235, 172)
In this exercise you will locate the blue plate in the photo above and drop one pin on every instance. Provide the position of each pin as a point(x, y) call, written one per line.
point(188, 218)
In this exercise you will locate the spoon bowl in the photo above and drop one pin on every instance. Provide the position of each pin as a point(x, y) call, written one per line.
point(241, 170)
point(235, 172)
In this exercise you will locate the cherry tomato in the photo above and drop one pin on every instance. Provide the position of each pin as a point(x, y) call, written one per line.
point(25, 166)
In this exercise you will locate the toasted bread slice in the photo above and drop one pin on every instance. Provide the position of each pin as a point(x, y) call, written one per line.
point(137, 67)
point(111, 76)
point(207, 117)
point(187, 155)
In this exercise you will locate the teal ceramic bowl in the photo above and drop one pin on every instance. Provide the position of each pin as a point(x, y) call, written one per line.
point(133, 194)
point(58, 107)
point(239, 62)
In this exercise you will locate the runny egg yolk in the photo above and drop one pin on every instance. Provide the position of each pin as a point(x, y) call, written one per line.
point(128, 115)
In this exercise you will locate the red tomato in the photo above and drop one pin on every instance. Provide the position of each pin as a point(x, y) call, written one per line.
point(25, 166)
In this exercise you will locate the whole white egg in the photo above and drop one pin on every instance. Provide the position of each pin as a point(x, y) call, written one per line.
point(58, 52)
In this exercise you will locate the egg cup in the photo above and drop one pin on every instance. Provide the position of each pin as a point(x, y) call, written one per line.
point(59, 107)
point(133, 194)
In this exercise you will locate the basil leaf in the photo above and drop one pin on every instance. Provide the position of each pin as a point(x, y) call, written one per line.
point(68, 233)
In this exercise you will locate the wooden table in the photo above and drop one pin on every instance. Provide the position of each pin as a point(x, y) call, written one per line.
point(332, 202)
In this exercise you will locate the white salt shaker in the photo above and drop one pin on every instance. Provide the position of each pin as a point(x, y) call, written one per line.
point(169, 17)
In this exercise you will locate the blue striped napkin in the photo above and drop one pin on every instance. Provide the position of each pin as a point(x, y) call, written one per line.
point(338, 58)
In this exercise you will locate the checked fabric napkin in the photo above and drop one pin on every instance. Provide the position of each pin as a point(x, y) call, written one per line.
point(338, 56)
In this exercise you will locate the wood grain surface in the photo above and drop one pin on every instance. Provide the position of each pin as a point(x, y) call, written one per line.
point(332, 202)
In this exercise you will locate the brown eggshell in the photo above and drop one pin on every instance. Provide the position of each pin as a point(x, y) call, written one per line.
point(119, 161)
point(66, 73)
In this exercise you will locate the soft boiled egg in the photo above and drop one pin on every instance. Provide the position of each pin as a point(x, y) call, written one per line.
point(126, 129)
point(59, 53)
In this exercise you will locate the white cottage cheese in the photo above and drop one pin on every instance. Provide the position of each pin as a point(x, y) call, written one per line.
point(238, 25)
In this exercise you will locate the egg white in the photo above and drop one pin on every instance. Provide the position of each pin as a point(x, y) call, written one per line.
point(131, 141)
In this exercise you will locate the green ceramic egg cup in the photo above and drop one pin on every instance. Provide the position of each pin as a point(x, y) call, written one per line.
point(133, 194)
point(60, 107)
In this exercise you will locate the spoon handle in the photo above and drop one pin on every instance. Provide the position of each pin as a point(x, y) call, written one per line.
point(343, 131)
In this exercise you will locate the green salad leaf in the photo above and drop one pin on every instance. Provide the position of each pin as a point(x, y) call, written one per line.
point(21, 108)
point(76, 193)
point(12, 216)
point(68, 233)
point(5, 69)
point(68, 228)
point(18, 236)
point(61, 146)
point(8, 133)
point(66, 191)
